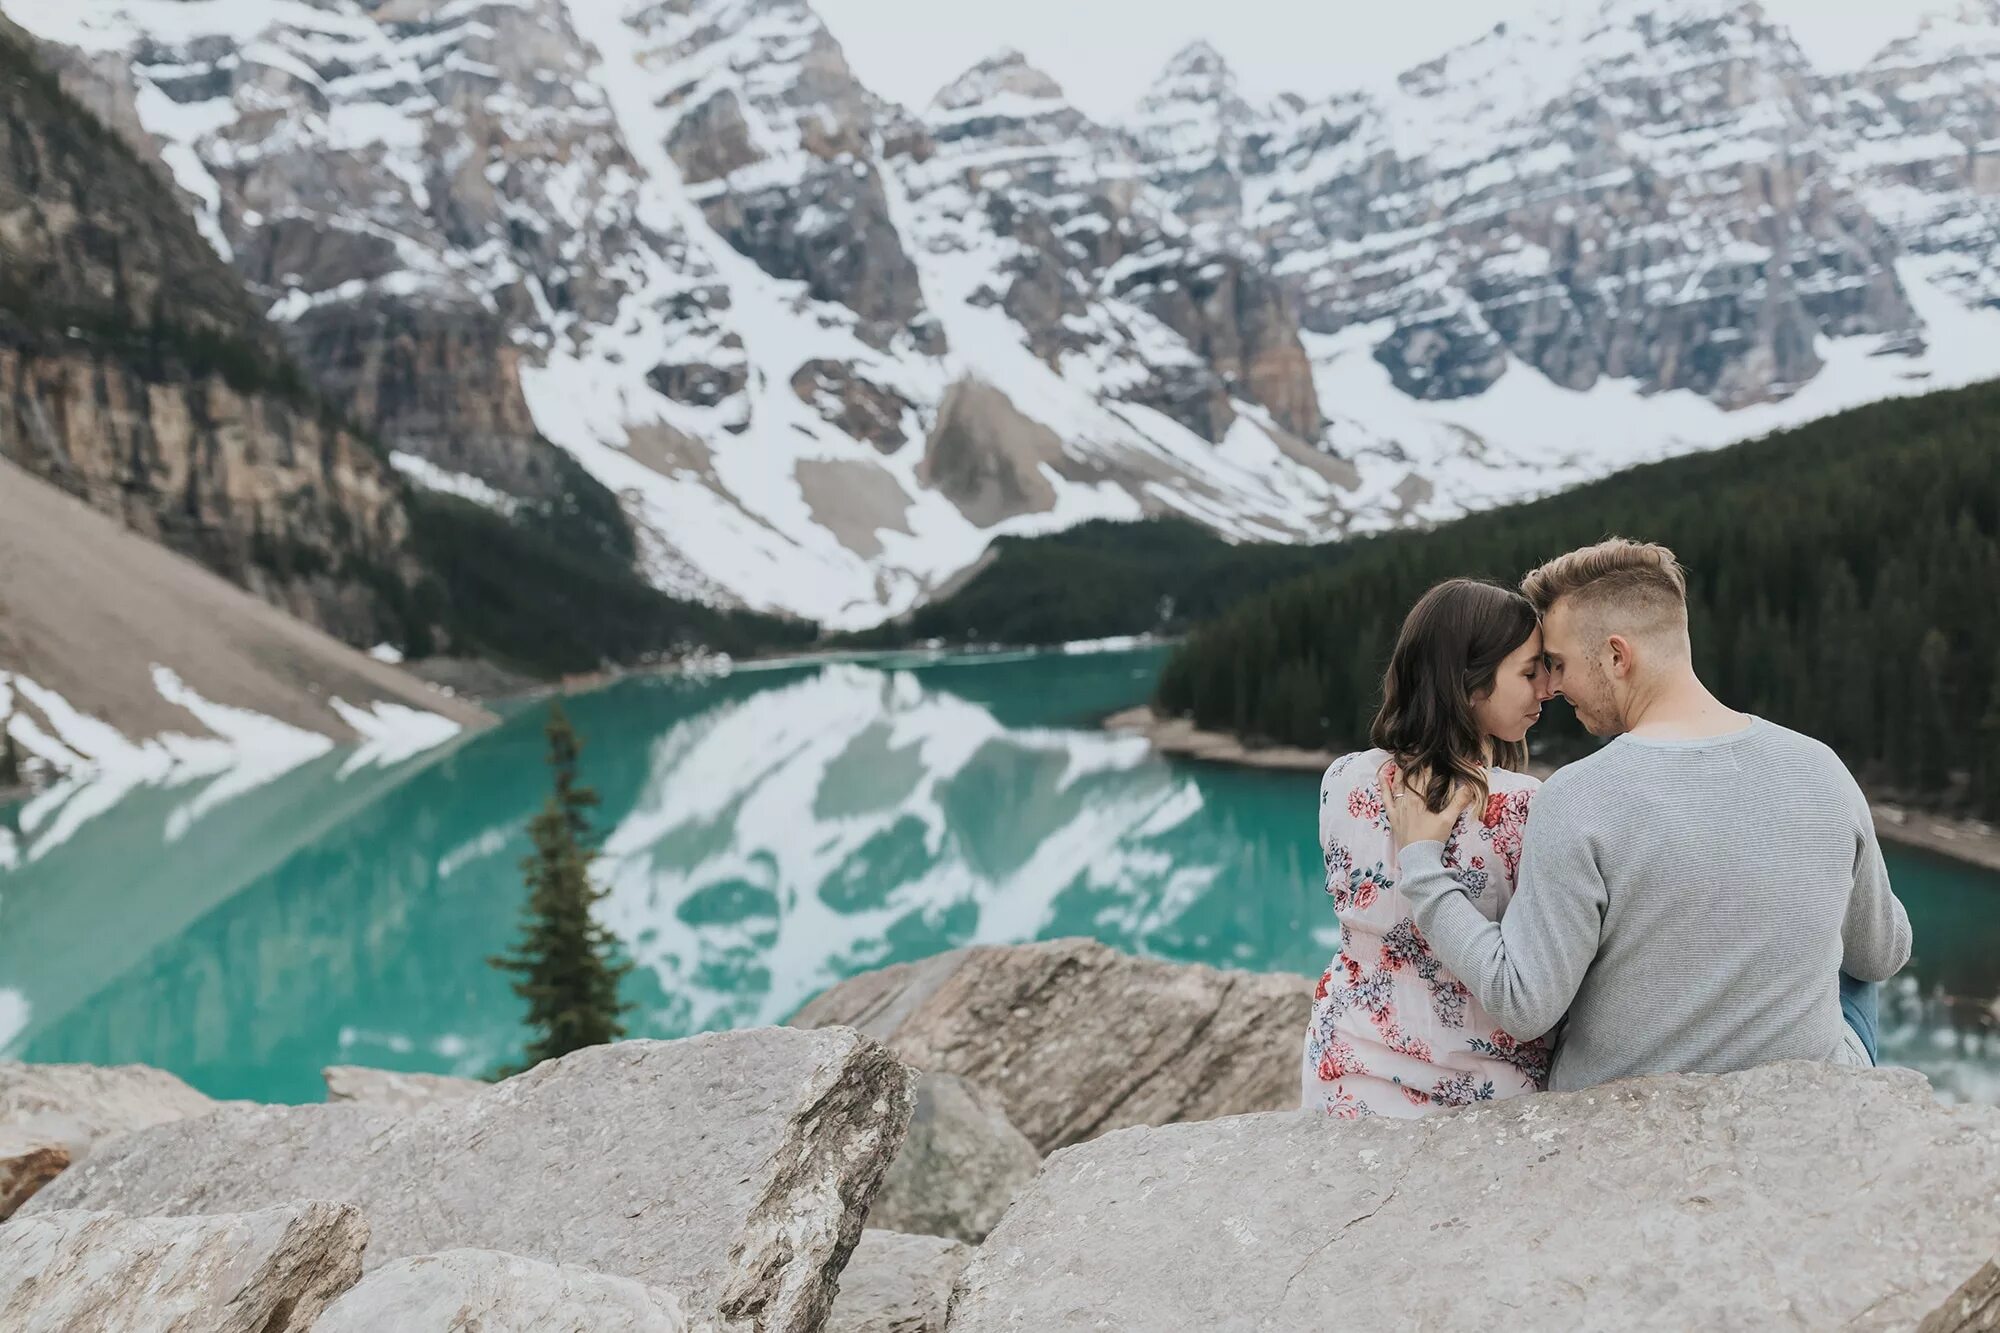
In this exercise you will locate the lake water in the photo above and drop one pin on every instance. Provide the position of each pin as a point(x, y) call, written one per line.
point(765, 834)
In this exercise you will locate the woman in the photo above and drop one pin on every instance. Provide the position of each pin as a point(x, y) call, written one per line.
point(1392, 1032)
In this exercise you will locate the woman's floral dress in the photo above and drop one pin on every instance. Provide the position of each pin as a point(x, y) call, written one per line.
point(1392, 1032)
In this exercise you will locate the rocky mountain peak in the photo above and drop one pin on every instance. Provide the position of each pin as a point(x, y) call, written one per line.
point(1198, 69)
point(1004, 74)
point(1568, 51)
point(1198, 82)
point(1967, 30)
point(1188, 132)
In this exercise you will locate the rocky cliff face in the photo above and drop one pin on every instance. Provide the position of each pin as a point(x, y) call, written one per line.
point(683, 242)
point(1924, 137)
point(133, 375)
point(1632, 192)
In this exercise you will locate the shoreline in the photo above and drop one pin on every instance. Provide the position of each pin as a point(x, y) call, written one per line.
point(1970, 842)
point(527, 690)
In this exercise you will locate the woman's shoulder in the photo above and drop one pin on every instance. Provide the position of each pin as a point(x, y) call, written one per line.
point(1352, 767)
point(1507, 780)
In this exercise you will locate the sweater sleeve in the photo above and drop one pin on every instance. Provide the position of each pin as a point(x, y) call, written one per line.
point(1875, 936)
point(1525, 968)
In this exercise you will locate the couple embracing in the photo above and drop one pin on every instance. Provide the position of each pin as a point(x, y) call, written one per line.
point(1703, 894)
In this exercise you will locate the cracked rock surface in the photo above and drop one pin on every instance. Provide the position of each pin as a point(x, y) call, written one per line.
point(1076, 1039)
point(733, 1169)
point(1796, 1195)
point(269, 1271)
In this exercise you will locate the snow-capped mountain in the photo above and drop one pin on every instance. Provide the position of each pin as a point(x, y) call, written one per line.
point(827, 348)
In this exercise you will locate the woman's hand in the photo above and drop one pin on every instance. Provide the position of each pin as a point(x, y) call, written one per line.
point(1410, 820)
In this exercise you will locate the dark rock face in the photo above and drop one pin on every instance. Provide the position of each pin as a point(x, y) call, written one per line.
point(442, 384)
point(1924, 120)
point(830, 230)
point(804, 197)
point(271, 497)
point(135, 374)
point(1452, 358)
point(853, 405)
point(699, 384)
point(1675, 214)
point(1241, 325)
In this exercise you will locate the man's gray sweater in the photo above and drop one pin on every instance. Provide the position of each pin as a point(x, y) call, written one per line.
point(1686, 904)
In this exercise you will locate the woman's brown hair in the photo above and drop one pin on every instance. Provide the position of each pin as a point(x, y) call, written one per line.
point(1450, 648)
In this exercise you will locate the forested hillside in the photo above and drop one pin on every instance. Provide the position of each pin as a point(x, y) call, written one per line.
point(1103, 578)
point(1844, 579)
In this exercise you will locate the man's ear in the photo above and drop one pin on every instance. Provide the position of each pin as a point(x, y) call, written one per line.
point(1621, 655)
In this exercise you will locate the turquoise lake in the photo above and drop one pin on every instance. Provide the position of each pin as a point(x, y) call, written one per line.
point(765, 833)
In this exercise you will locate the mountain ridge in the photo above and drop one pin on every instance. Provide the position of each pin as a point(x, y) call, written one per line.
point(684, 243)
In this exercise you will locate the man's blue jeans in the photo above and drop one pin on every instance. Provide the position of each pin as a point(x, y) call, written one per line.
point(1860, 1005)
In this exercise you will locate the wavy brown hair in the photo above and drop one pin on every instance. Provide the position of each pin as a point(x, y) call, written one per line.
point(1450, 648)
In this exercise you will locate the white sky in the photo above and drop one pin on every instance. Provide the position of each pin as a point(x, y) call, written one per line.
point(1106, 52)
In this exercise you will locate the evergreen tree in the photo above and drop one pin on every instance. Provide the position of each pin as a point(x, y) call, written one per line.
point(567, 961)
point(10, 759)
point(1986, 755)
point(1842, 581)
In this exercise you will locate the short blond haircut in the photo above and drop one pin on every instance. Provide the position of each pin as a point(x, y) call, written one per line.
point(1620, 584)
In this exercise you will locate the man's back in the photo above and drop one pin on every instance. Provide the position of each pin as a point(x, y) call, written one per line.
point(1733, 877)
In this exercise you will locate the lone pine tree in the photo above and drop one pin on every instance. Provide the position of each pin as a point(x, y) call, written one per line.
point(566, 961)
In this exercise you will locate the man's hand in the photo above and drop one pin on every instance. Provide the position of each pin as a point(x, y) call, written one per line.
point(1410, 820)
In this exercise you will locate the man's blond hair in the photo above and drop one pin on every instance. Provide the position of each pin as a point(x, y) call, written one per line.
point(1622, 585)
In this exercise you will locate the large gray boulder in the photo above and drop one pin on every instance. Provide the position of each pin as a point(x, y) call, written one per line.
point(52, 1115)
point(1973, 1308)
point(389, 1090)
point(270, 1271)
point(1077, 1039)
point(462, 1290)
point(962, 1163)
point(897, 1284)
point(80, 1104)
point(1795, 1196)
point(733, 1169)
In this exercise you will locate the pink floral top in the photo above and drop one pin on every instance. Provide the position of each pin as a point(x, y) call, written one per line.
point(1392, 1032)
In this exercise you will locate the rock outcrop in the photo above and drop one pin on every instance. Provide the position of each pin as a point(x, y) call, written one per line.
point(961, 1164)
point(27, 1162)
point(897, 1284)
point(389, 1090)
point(462, 1290)
point(1973, 1308)
point(733, 1169)
point(270, 1271)
point(1798, 1195)
point(1076, 1039)
point(52, 1115)
point(135, 374)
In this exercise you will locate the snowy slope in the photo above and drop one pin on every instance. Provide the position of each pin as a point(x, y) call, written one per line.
point(826, 348)
point(123, 666)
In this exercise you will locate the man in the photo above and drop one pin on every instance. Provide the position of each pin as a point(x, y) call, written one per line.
point(1686, 894)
